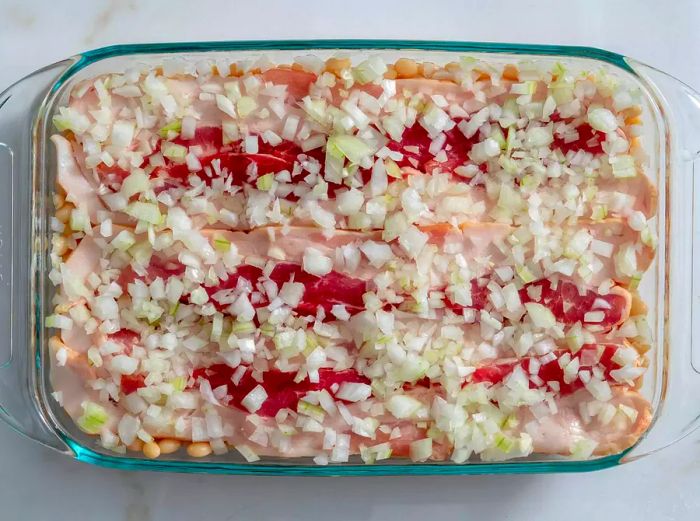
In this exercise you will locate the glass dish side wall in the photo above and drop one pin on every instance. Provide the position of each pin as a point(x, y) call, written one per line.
point(21, 106)
point(679, 349)
point(86, 448)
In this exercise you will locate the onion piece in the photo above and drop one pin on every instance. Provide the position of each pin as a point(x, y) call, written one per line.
point(353, 391)
point(254, 399)
point(402, 406)
point(315, 263)
point(350, 201)
point(540, 315)
point(602, 119)
point(421, 450)
point(377, 253)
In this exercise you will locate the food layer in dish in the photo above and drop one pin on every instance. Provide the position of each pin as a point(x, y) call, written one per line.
point(330, 260)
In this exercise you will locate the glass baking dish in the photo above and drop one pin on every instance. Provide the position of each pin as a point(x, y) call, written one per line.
point(671, 288)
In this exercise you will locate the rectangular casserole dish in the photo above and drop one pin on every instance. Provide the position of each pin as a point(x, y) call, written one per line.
point(670, 288)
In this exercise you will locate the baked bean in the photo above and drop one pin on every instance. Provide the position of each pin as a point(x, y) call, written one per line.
point(63, 213)
point(511, 73)
point(638, 307)
point(136, 445)
point(58, 200)
point(390, 73)
point(406, 68)
point(59, 245)
point(151, 450)
point(199, 449)
point(453, 67)
point(168, 446)
point(337, 65)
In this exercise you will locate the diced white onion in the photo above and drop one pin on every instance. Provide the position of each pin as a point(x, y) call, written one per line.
point(540, 315)
point(353, 391)
point(315, 263)
point(291, 293)
point(377, 253)
point(350, 201)
point(412, 240)
point(254, 399)
point(602, 119)
point(127, 428)
point(402, 406)
point(421, 450)
point(124, 364)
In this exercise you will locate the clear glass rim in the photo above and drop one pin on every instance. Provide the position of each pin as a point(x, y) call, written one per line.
point(88, 57)
point(87, 455)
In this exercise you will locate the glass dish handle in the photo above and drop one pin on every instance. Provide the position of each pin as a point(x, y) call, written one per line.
point(679, 413)
point(19, 106)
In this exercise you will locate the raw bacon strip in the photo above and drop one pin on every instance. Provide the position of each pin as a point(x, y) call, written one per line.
point(156, 268)
point(298, 82)
point(132, 383)
point(570, 306)
point(475, 240)
point(557, 434)
point(588, 140)
point(283, 390)
point(401, 444)
point(79, 190)
point(415, 147)
point(492, 239)
point(589, 355)
point(241, 166)
point(565, 301)
point(554, 434)
point(125, 337)
point(324, 292)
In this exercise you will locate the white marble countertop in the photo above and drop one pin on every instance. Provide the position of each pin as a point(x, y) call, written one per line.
point(37, 484)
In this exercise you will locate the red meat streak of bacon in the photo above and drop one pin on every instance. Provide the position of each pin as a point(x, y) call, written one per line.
point(325, 292)
point(131, 383)
point(565, 301)
point(156, 268)
point(127, 338)
point(415, 147)
point(233, 158)
point(281, 388)
point(588, 140)
point(589, 355)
